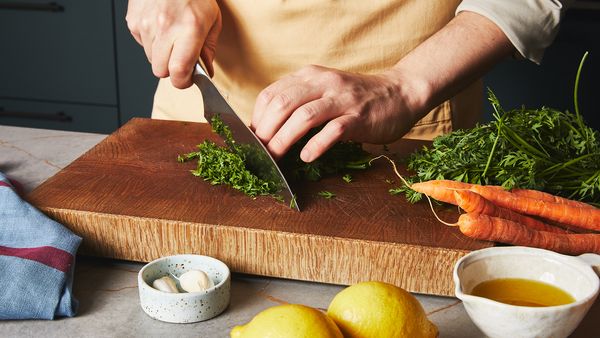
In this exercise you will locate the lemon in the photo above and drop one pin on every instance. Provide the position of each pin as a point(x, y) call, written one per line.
point(288, 321)
point(377, 309)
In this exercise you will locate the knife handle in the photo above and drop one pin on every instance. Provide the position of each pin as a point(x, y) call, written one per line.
point(48, 7)
point(58, 116)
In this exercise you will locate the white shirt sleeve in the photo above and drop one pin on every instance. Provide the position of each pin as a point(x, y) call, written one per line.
point(530, 25)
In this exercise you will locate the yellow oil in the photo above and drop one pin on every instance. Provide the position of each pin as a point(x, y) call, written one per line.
point(522, 292)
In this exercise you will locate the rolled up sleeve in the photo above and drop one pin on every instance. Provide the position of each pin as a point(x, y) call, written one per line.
point(530, 25)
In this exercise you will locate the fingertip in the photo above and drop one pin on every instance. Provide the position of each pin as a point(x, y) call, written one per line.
point(320, 143)
point(160, 72)
point(306, 155)
point(181, 83)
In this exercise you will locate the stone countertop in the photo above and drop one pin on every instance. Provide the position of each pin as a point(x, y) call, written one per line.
point(107, 289)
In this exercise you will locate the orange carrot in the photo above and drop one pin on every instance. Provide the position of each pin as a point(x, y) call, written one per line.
point(441, 190)
point(472, 202)
point(544, 196)
point(501, 230)
point(587, 218)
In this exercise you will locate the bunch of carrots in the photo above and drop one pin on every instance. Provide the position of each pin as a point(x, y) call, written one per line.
point(520, 216)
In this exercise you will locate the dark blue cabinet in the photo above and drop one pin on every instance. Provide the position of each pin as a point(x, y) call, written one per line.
point(62, 57)
point(58, 115)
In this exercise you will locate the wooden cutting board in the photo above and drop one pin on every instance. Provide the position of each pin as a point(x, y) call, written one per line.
point(130, 199)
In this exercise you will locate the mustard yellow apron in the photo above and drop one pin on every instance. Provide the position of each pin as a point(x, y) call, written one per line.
point(262, 41)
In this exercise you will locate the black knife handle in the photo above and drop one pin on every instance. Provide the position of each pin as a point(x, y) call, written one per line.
point(58, 116)
point(24, 6)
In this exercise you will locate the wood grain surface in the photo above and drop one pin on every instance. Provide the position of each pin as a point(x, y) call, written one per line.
point(130, 199)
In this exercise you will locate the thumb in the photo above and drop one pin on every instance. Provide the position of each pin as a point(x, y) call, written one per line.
point(210, 45)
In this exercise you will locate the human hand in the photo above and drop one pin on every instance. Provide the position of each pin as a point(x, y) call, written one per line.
point(174, 34)
point(362, 108)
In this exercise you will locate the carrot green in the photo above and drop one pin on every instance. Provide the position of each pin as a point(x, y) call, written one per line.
point(543, 149)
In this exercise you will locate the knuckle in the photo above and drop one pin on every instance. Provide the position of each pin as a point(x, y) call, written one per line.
point(163, 21)
point(178, 68)
point(159, 71)
point(281, 101)
point(356, 109)
point(333, 78)
point(277, 146)
point(308, 113)
point(356, 106)
point(132, 25)
point(192, 20)
point(337, 128)
point(265, 96)
point(276, 143)
point(145, 24)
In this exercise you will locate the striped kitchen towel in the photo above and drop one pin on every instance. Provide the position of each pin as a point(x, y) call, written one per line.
point(37, 259)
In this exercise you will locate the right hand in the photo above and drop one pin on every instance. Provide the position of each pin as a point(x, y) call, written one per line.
point(175, 34)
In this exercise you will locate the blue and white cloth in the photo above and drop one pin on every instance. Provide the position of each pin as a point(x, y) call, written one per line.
point(37, 260)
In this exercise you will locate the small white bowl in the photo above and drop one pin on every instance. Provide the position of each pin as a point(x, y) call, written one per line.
point(574, 275)
point(184, 307)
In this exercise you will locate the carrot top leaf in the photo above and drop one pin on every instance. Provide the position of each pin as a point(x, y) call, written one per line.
point(543, 149)
point(326, 194)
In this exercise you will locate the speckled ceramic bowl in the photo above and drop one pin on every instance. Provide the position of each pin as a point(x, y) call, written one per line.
point(184, 307)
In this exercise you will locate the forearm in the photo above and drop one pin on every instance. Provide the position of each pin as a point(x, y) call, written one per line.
point(530, 25)
point(450, 60)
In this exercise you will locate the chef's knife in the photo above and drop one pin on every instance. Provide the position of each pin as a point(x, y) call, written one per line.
point(258, 159)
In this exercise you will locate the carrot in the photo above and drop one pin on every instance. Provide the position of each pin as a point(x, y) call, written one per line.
point(544, 196)
point(569, 215)
point(586, 218)
point(441, 190)
point(501, 230)
point(472, 202)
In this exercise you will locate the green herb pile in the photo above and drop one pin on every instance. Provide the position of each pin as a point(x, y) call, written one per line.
point(226, 165)
point(342, 156)
point(543, 149)
point(229, 165)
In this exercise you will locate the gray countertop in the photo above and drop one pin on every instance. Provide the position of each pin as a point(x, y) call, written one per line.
point(107, 289)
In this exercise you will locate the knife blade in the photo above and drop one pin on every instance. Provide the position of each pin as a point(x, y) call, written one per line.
point(258, 159)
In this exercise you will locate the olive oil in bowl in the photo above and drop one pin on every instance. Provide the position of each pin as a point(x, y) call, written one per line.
point(522, 292)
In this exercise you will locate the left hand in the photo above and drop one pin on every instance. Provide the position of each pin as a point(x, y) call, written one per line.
point(362, 108)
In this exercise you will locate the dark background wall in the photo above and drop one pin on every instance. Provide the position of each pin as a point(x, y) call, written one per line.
point(72, 65)
point(551, 84)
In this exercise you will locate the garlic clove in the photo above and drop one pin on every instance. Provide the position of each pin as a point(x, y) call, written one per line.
point(165, 284)
point(195, 281)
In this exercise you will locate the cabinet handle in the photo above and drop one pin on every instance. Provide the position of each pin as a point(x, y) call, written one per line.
point(58, 116)
point(23, 6)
